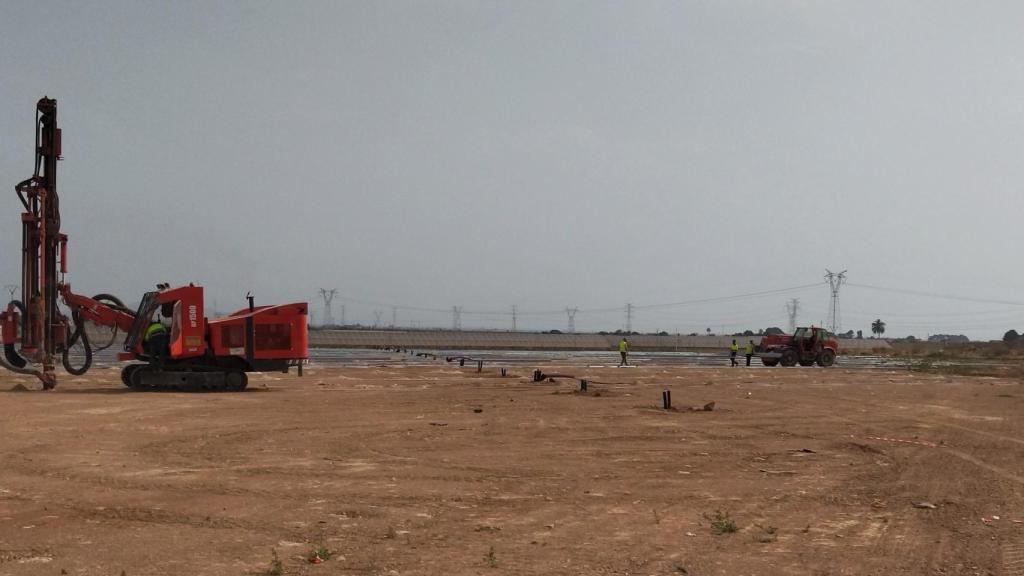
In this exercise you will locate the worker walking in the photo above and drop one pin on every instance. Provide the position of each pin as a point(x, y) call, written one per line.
point(623, 351)
point(749, 351)
point(733, 349)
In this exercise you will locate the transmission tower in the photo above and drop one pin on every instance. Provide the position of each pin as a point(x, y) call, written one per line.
point(342, 314)
point(394, 316)
point(629, 317)
point(571, 313)
point(12, 288)
point(792, 309)
point(456, 317)
point(515, 311)
point(328, 296)
point(376, 315)
point(835, 281)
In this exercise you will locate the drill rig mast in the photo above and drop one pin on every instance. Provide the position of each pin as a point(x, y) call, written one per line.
point(197, 354)
point(44, 328)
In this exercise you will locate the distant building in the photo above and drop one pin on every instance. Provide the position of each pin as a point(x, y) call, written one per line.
point(949, 338)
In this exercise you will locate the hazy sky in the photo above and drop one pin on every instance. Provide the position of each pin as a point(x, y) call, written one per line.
point(544, 154)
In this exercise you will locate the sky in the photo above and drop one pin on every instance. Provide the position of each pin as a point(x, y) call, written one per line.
point(705, 162)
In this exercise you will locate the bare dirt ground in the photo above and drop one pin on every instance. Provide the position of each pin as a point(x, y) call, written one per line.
point(434, 469)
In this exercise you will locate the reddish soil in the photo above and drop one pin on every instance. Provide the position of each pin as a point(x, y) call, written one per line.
point(440, 470)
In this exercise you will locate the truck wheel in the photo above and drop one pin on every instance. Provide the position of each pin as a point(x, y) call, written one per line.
point(788, 358)
point(827, 358)
point(770, 361)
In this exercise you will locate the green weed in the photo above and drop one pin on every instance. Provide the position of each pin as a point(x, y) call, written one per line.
point(491, 559)
point(722, 523)
point(276, 567)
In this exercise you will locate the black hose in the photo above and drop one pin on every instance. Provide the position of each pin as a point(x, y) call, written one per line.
point(13, 358)
point(80, 332)
point(10, 353)
point(115, 303)
point(24, 314)
point(112, 301)
point(72, 339)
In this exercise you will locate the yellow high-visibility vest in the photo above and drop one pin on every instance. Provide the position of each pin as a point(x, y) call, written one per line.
point(734, 347)
point(153, 329)
point(622, 345)
point(750, 348)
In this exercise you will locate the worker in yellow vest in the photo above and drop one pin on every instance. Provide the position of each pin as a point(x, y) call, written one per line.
point(749, 351)
point(623, 351)
point(733, 349)
point(155, 341)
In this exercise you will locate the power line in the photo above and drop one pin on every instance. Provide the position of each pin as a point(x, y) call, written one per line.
point(726, 298)
point(939, 296)
point(976, 314)
point(521, 313)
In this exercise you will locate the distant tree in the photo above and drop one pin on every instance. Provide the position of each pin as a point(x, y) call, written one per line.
point(911, 338)
point(773, 330)
point(1011, 336)
point(662, 333)
point(748, 332)
point(708, 330)
point(860, 335)
point(878, 327)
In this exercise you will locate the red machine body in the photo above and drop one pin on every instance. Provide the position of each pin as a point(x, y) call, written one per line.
point(192, 352)
point(279, 333)
point(806, 346)
point(276, 333)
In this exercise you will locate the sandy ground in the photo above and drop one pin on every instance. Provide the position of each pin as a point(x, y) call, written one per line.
point(434, 469)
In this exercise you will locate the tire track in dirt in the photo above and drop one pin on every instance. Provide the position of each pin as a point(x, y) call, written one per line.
point(21, 555)
point(992, 435)
point(902, 539)
point(985, 465)
point(121, 483)
point(1013, 558)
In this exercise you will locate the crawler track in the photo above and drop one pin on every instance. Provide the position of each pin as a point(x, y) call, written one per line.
point(193, 379)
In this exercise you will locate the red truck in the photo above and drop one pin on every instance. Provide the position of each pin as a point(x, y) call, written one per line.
point(806, 347)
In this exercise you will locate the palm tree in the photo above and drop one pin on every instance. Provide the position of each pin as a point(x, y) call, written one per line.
point(878, 327)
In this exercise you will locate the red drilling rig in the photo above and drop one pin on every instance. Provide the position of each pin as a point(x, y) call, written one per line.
point(195, 353)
